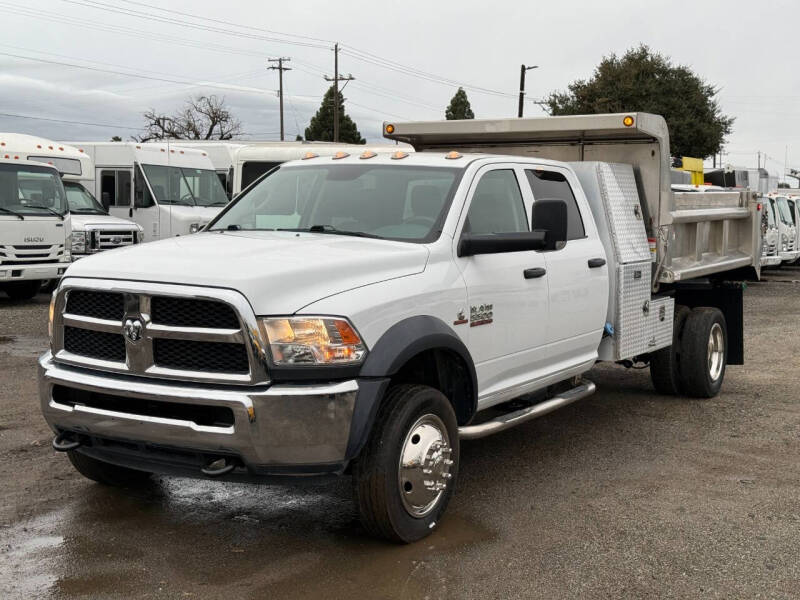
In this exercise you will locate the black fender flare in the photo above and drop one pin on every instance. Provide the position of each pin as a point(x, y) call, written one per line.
point(400, 343)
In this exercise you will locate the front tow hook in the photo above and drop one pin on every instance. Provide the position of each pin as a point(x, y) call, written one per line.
point(218, 467)
point(63, 443)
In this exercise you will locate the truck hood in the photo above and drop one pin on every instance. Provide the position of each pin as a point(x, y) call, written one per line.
point(80, 222)
point(279, 272)
point(34, 230)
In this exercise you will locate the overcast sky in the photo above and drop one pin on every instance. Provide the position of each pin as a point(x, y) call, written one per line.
point(140, 57)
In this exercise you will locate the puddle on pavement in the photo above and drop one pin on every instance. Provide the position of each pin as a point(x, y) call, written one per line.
point(24, 346)
point(209, 539)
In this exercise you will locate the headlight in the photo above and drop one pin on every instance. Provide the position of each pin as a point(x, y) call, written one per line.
point(78, 244)
point(139, 235)
point(195, 227)
point(313, 341)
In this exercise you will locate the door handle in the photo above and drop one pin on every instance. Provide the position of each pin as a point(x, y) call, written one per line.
point(596, 262)
point(534, 272)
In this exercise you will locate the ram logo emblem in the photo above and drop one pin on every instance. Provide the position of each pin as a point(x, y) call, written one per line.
point(133, 330)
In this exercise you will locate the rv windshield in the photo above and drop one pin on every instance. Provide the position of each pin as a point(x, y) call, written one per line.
point(29, 190)
point(784, 211)
point(80, 201)
point(405, 203)
point(182, 185)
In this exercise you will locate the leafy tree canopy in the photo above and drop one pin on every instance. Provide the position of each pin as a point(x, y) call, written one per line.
point(320, 129)
point(646, 81)
point(459, 107)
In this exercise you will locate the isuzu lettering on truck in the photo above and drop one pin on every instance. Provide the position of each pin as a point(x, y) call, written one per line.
point(167, 190)
point(34, 225)
point(365, 313)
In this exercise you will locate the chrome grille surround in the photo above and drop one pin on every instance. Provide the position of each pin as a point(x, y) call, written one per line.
point(139, 358)
point(101, 237)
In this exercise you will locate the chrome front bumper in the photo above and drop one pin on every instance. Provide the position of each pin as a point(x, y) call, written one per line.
point(771, 261)
point(28, 272)
point(789, 255)
point(280, 428)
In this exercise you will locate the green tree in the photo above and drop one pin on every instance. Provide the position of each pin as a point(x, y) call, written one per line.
point(459, 107)
point(320, 129)
point(646, 81)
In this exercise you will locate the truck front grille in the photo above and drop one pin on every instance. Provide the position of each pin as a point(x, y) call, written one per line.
point(190, 312)
point(109, 239)
point(215, 357)
point(95, 344)
point(158, 330)
point(37, 254)
point(99, 305)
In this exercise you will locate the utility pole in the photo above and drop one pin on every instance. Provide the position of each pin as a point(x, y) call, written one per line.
point(336, 79)
point(280, 68)
point(522, 70)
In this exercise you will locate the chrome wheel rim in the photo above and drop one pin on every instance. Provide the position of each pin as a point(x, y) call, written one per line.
point(716, 351)
point(425, 463)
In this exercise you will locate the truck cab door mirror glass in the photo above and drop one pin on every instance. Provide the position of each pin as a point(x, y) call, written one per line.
point(550, 218)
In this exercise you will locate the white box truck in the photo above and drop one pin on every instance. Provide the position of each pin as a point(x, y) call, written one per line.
point(166, 189)
point(34, 223)
point(93, 229)
point(364, 314)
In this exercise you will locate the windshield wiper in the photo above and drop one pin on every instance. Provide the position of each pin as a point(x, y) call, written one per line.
point(47, 208)
point(12, 212)
point(333, 230)
point(218, 203)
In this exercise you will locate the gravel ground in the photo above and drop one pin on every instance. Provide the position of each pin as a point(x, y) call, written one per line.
point(626, 494)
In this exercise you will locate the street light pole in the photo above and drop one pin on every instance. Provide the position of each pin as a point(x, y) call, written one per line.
point(522, 70)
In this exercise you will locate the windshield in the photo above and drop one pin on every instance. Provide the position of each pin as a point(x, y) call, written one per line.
point(28, 190)
point(80, 201)
point(182, 185)
point(390, 202)
point(783, 210)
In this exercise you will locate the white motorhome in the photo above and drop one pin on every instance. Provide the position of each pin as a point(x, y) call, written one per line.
point(166, 189)
point(34, 224)
point(93, 229)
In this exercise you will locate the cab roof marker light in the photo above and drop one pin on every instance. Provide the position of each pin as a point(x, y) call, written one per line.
point(628, 121)
point(390, 128)
point(61, 148)
point(453, 155)
point(138, 147)
point(80, 149)
point(339, 155)
point(399, 155)
point(368, 154)
point(37, 145)
point(309, 155)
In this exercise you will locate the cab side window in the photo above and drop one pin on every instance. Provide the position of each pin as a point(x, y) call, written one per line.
point(552, 185)
point(115, 188)
point(497, 205)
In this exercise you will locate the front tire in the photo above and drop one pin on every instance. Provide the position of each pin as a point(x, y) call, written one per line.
point(405, 476)
point(23, 290)
point(704, 352)
point(106, 473)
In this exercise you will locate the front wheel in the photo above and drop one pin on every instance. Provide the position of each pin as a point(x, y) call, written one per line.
point(704, 352)
point(406, 473)
point(23, 290)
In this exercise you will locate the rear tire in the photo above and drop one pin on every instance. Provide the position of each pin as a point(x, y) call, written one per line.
point(106, 473)
point(23, 290)
point(704, 352)
point(416, 429)
point(665, 363)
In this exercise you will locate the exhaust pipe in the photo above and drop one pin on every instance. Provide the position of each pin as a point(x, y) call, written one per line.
point(218, 467)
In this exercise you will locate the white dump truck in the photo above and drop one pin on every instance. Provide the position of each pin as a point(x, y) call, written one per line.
point(167, 190)
point(365, 313)
point(93, 229)
point(34, 223)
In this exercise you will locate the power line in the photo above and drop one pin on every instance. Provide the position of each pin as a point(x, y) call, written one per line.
point(117, 126)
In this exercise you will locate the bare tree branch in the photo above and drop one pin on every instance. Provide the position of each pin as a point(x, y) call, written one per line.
point(201, 118)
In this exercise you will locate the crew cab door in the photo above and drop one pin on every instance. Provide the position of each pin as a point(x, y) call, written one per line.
point(507, 292)
point(577, 272)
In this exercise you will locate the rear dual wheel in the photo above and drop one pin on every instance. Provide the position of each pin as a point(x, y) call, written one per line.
point(695, 363)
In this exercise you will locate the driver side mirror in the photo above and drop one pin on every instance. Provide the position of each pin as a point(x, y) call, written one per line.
point(550, 217)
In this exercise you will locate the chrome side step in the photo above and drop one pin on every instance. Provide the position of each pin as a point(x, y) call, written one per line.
point(507, 421)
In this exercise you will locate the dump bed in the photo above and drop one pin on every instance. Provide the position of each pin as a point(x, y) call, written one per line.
point(697, 234)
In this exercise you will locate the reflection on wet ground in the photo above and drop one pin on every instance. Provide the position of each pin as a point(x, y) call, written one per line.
point(194, 538)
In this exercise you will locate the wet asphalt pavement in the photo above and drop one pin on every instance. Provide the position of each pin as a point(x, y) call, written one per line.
point(624, 495)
